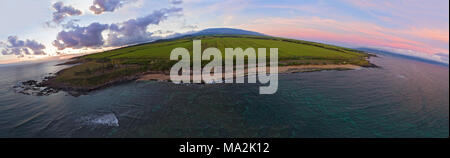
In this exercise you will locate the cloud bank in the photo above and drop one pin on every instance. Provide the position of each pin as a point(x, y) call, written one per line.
point(20, 48)
point(128, 32)
point(135, 30)
point(80, 37)
point(443, 57)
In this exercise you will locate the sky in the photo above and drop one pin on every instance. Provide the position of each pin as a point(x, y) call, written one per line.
point(41, 29)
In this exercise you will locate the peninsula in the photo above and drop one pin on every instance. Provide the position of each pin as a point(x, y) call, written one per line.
point(150, 61)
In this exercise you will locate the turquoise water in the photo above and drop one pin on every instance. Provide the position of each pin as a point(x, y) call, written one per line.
point(403, 98)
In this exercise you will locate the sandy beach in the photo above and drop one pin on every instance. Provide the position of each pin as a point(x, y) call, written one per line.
point(282, 69)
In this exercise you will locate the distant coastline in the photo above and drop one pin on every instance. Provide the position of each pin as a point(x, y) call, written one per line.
point(422, 59)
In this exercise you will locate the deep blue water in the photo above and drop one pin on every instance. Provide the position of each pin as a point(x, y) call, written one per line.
point(403, 98)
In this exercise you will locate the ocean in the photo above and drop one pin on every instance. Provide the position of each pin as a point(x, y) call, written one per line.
point(402, 98)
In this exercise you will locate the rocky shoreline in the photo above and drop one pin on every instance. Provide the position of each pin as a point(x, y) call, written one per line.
point(77, 91)
point(33, 87)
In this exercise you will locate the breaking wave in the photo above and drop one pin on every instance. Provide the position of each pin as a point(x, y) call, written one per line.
point(105, 120)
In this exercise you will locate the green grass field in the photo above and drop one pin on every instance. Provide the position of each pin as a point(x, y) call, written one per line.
point(99, 68)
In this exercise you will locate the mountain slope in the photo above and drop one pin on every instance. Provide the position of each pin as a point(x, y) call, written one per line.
point(226, 31)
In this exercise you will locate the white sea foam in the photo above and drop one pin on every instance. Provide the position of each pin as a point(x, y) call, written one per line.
point(105, 120)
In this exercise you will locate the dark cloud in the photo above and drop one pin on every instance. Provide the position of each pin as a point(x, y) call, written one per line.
point(20, 48)
point(63, 11)
point(81, 37)
point(176, 1)
point(129, 32)
point(135, 30)
point(100, 6)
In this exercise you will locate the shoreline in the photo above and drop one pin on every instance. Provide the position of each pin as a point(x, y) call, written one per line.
point(162, 76)
point(281, 70)
point(109, 68)
point(53, 86)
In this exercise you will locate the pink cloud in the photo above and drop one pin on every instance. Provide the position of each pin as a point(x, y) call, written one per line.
point(357, 33)
point(433, 34)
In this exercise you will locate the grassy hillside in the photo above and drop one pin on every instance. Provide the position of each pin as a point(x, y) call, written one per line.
point(99, 68)
point(288, 49)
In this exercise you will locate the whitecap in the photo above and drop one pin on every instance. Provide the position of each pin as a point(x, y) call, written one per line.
point(105, 120)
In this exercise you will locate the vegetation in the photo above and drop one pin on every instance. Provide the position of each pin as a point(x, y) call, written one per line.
point(100, 68)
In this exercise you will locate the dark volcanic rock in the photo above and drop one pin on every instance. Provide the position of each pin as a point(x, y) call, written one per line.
point(29, 83)
point(33, 87)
